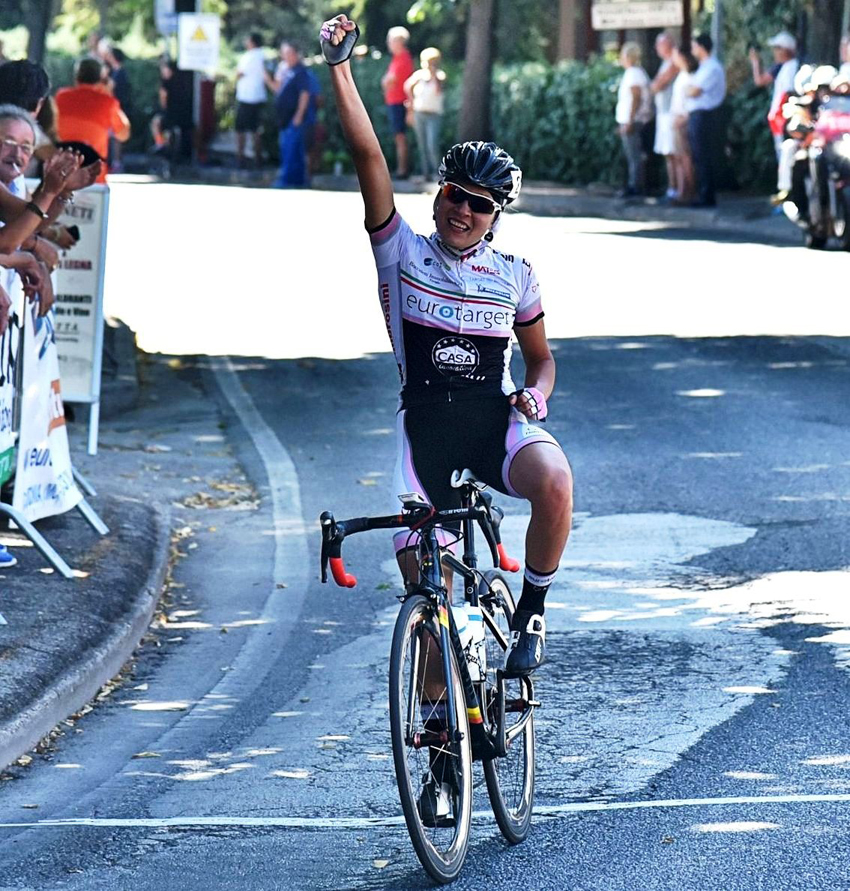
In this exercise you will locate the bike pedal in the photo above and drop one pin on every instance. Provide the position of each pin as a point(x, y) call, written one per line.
point(534, 703)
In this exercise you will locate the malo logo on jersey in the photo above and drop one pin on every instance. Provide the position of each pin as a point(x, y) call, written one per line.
point(455, 355)
point(487, 270)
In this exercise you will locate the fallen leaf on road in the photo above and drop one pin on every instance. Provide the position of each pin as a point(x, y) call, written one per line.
point(380, 864)
point(30, 807)
point(667, 840)
point(281, 585)
point(368, 481)
point(24, 760)
point(146, 755)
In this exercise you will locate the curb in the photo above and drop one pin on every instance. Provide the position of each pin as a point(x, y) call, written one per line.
point(78, 685)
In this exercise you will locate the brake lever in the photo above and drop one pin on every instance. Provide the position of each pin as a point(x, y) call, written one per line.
point(505, 562)
point(328, 532)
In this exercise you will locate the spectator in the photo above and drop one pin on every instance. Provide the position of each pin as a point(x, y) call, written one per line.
point(634, 111)
point(275, 81)
point(706, 93)
point(26, 84)
point(3, 58)
point(115, 57)
point(392, 83)
point(295, 104)
point(844, 70)
point(683, 165)
point(250, 97)
point(423, 92)
point(88, 114)
point(662, 89)
point(781, 77)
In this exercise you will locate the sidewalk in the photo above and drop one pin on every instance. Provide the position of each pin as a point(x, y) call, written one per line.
point(162, 466)
point(746, 215)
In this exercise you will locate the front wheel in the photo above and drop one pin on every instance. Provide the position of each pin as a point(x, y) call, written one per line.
point(433, 772)
point(510, 779)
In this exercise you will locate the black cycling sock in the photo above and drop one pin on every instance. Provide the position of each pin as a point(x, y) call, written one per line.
point(534, 587)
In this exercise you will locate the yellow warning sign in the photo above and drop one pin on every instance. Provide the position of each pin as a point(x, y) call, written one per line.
point(198, 38)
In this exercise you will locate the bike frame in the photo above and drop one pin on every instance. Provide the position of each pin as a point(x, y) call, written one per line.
point(422, 518)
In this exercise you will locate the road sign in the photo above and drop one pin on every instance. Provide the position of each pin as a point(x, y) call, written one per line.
point(616, 15)
point(198, 38)
point(165, 17)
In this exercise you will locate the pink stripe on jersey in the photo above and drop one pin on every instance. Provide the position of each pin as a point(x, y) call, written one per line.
point(384, 234)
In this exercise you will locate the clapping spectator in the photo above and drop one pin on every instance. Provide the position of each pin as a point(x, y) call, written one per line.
point(392, 83)
point(114, 57)
point(633, 112)
point(250, 97)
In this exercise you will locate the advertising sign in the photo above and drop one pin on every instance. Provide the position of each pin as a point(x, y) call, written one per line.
point(616, 15)
point(8, 363)
point(198, 38)
point(44, 479)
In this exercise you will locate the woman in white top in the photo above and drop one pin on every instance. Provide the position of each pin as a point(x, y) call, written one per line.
point(634, 111)
point(424, 92)
point(683, 165)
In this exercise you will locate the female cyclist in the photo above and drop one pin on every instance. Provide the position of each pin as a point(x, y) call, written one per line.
point(452, 304)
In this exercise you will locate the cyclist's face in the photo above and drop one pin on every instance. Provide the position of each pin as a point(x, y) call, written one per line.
point(457, 224)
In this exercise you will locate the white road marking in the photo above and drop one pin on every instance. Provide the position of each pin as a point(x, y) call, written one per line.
point(556, 810)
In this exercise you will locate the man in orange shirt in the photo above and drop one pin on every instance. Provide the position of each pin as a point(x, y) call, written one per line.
point(89, 113)
point(399, 70)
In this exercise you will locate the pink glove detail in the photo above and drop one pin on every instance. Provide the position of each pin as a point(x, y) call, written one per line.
point(537, 402)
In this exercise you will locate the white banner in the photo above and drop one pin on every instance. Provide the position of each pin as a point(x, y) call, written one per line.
point(78, 283)
point(44, 481)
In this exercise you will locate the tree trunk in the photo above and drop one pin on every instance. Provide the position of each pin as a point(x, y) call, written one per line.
point(567, 20)
point(38, 18)
point(474, 119)
point(103, 15)
point(824, 30)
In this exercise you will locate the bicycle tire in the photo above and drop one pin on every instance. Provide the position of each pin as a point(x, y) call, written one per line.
point(441, 848)
point(510, 779)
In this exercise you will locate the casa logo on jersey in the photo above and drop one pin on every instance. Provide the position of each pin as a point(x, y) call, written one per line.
point(455, 355)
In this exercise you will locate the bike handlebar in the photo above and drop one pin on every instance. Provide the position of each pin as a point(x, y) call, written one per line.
point(488, 516)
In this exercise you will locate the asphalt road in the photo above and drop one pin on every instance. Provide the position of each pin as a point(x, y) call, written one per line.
point(694, 733)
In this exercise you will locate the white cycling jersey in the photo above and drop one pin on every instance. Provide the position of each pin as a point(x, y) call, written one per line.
point(451, 318)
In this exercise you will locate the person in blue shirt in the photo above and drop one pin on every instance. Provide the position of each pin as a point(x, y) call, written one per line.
point(295, 104)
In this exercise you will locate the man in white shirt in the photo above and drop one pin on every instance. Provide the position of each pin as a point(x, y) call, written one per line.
point(705, 96)
point(250, 96)
point(780, 75)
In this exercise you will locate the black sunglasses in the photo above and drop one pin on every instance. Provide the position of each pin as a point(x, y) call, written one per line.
point(477, 203)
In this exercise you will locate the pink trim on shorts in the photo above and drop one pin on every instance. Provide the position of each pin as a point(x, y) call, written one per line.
point(521, 432)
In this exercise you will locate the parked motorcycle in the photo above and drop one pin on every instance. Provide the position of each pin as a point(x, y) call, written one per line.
point(820, 201)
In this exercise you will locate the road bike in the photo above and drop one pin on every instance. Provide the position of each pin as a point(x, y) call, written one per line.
point(450, 701)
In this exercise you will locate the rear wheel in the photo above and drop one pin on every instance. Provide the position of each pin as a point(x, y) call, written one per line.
point(422, 753)
point(510, 779)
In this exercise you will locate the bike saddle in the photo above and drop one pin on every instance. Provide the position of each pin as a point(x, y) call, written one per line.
point(464, 477)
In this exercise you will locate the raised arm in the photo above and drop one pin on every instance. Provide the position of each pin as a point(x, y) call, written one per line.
point(372, 172)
